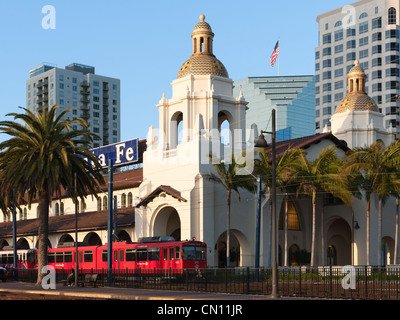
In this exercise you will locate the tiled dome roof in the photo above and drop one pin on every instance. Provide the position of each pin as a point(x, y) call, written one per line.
point(356, 99)
point(203, 65)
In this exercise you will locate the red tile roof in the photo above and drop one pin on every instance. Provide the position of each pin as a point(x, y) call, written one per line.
point(306, 142)
point(167, 189)
point(66, 223)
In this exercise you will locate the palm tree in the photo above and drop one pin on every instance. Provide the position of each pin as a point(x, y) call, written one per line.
point(287, 166)
point(374, 166)
point(319, 176)
point(40, 158)
point(228, 177)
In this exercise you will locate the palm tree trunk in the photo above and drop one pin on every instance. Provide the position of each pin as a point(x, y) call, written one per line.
point(228, 227)
point(285, 252)
point(322, 236)
point(368, 222)
point(380, 234)
point(312, 262)
point(396, 236)
point(43, 232)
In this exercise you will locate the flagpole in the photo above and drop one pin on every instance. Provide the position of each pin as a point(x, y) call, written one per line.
point(279, 59)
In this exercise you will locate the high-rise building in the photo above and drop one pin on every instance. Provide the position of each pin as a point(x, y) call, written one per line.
point(293, 97)
point(368, 31)
point(89, 96)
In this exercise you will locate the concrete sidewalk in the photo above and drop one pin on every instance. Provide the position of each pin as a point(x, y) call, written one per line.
point(122, 293)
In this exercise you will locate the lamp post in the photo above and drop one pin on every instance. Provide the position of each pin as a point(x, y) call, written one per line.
point(261, 143)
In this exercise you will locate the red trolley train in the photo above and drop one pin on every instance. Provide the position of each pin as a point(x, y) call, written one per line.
point(149, 253)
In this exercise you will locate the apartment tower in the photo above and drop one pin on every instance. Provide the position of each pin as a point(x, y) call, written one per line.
point(89, 96)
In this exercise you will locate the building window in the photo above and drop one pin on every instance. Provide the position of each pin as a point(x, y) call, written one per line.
point(377, 36)
point(351, 44)
point(363, 15)
point(377, 23)
point(351, 32)
point(392, 16)
point(292, 217)
point(326, 38)
point(339, 48)
point(326, 52)
point(338, 35)
point(392, 46)
point(392, 34)
point(363, 41)
point(364, 54)
point(363, 27)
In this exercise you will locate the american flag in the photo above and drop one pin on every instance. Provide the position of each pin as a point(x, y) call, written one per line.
point(275, 54)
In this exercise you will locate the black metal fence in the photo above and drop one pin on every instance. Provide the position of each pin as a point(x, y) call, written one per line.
point(323, 282)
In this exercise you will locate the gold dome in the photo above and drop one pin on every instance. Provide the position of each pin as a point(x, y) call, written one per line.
point(202, 61)
point(203, 65)
point(356, 99)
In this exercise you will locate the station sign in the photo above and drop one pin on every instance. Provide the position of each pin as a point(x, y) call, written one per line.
point(122, 153)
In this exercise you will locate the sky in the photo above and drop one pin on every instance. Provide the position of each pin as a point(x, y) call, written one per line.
point(144, 44)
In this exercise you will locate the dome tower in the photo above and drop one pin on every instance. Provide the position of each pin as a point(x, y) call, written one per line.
point(202, 61)
point(356, 98)
point(357, 119)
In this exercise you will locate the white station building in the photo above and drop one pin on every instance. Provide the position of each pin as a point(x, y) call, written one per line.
point(170, 194)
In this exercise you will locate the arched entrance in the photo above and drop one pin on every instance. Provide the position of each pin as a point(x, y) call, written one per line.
point(339, 243)
point(92, 239)
point(22, 243)
point(124, 236)
point(167, 223)
point(3, 243)
point(234, 251)
point(66, 239)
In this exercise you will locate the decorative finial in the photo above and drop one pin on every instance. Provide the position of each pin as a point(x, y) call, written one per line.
point(202, 17)
point(356, 62)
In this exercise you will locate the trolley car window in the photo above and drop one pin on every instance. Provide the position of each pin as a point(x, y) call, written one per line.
point(165, 253)
point(177, 253)
point(104, 255)
point(154, 254)
point(68, 256)
point(130, 254)
point(31, 257)
point(141, 254)
point(51, 257)
point(88, 256)
point(59, 257)
point(193, 253)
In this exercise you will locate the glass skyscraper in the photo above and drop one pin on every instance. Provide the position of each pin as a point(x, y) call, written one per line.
point(293, 97)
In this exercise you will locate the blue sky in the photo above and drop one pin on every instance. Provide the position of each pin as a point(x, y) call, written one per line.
point(144, 43)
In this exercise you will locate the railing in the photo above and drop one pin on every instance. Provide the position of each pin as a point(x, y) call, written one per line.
point(326, 282)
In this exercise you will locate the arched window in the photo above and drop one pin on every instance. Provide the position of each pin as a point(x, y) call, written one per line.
point(105, 203)
point(25, 214)
point(61, 208)
point(392, 19)
point(130, 199)
point(293, 217)
point(224, 128)
point(123, 200)
point(338, 24)
point(57, 209)
point(176, 130)
point(98, 204)
point(363, 15)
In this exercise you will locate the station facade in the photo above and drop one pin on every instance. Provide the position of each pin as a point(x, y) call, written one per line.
point(169, 192)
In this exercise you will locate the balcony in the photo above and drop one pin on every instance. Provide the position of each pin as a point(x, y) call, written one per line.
point(84, 100)
point(85, 84)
